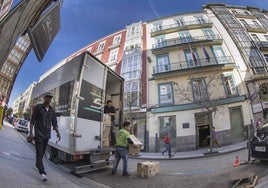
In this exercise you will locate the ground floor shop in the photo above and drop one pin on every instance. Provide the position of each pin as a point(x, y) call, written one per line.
point(190, 129)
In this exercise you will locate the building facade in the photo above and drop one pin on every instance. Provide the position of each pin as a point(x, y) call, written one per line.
point(12, 65)
point(192, 70)
point(188, 72)
point(5, 6)
point(247, 27)
point(23, 104)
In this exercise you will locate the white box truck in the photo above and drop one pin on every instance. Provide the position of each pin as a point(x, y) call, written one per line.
point(81, 86)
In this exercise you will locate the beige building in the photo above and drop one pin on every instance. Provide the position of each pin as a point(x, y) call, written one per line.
point(23, 104)
point(194, 65)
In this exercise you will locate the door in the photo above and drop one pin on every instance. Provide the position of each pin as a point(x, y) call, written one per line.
point(167, 125)
point(236, 124)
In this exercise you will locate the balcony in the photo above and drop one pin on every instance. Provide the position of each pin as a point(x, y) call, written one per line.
point(113, 46)
point(254, 28)
point(244, 15)
point(183, 42)
point(190, 67)
point(262, 45)
point(98, 52)
point(180, 27)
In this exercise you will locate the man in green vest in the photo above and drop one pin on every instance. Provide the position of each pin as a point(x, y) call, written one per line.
point(121, 150)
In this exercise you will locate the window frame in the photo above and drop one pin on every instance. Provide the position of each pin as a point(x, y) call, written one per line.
point(169, 94)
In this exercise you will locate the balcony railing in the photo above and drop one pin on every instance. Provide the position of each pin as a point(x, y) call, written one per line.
point(185, 40)
point(255, 28)
point(262, 45)
point(188, 65)
point(181, 25)
point(243, 15)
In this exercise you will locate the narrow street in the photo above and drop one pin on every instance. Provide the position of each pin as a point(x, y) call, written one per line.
point(217, 171)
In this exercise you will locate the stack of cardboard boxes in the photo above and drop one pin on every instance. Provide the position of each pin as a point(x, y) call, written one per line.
point(106, 130)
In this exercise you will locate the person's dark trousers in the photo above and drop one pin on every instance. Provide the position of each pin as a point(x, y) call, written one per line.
point(168, 148)
point(121, 152)
point(112, 130)
point(40, 148)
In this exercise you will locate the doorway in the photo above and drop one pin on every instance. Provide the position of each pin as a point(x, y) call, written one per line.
point(167, 125)
point(203, 137)
point(236, 119)
point(202, 130)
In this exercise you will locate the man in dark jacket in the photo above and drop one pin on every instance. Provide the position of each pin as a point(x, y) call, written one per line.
point(43, 117)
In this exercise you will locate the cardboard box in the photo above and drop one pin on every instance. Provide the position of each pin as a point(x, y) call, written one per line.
point(106, 131)
point(106, 142)
point(106, 119)
point(134, 150)
point(147, 169)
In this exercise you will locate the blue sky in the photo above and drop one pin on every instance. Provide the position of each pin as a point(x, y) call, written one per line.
point(85, 21)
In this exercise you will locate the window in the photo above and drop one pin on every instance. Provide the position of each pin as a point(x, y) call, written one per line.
point(266, 57)
point(263, 91)
point(200, 19)
point(113, 55)
point(199, 89)
point(256, 24)
point(160, 42)
point(229, 85)
point(162, 63)
point(132, 94)
point(244, 23)
point(266, 37)
point(157, 27)
point(185, 37)
point(117, 39)
point(165, 93)
point(101, 46)
point(179, 21)
point(131, 67)
point(209, 34)
point(255, 37)
point(219, 55)
point(9, 69)
point(191, 57)
point(89, 49)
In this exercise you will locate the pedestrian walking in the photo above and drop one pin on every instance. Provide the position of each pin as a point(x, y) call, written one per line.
point(121, 149)
point(43, 117)
point(259, 122)
point(168, 146)
point(214, 138)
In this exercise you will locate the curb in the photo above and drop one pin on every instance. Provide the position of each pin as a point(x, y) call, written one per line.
point(201, 155)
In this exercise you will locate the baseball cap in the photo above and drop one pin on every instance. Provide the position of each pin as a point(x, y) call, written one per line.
point(48, 95)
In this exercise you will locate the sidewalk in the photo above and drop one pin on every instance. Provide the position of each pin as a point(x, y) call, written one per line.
point(17, 161)
point(193, 154)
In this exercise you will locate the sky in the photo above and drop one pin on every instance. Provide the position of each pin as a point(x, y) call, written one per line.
point(86, 21)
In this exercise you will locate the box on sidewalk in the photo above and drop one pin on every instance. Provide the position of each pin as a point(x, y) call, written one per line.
point(134, 150)
point(147, 169)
